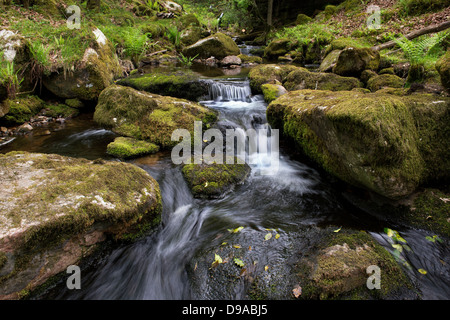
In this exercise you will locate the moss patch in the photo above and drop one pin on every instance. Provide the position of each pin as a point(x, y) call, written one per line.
point(22, 109)
point(214, 180)
point(384, 80)
point(267, 73)
point(304, 79)
point(149, 117)
point(130, 148)
point(386, 143)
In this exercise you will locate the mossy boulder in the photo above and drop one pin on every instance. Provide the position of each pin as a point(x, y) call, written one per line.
point(250, 59)
point(126, 148)
point(214, 180)
point(338, 270)
point(267, 73)
point(329, 62)
point(97, 70)
point(21, 109)
point(302, 19)
point(183, 84)
point(56, 110)
point(301, 78)
point(385, 81)
point(147, 116)
point(191, 35)
point(352, 61)
point(74, 103)
point(381, 142)
point(272, 91)
point(277, 48)
point(217, 45)
point(443, 67)
point(56, 210)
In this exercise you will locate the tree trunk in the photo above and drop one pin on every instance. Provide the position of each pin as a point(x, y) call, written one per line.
point(270, 13)
point(430, 29)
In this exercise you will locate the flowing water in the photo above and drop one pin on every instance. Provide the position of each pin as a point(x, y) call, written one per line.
point(298, 201)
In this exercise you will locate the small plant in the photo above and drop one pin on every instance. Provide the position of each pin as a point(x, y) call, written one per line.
point(10, 78)
point(418, 52)
point(187, 61)
point(135, 43)
point(173, 35)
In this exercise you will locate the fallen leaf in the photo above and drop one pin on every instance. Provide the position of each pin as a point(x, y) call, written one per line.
point(268, 236)
point(239, 262)
point(422, 271)
point(235, 230)
point(337, 230)
point(277, 236)
point(236, 246)
point(297, 291)
point(266, 268)
point(398, 247)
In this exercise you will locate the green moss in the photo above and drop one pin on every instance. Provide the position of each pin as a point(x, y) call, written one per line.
point(339, 269)
point(218, 45)
point(129, 148)
point(384, 80)
point(74, 103)
point(3, 259)
point(267, 73)
point(250, 59)
point(276, 48)
point(270, 92)
point(56, 110)
point(183, 84)
point(443, 67)
point(378, 141)
point(23, 109)
point(302, 19)
point(214, 180)
point(149, 117)
point(304, 79)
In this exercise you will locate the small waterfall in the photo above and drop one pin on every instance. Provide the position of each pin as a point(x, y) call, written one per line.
point(229, 91)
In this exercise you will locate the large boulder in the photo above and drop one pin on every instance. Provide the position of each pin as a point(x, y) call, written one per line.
point(183, 84)
point(301, 78)
point(147, 116)
point(218, 45)
point(329, 61)
point(385, 81)
point(352, 61)
point(381, 142)
point(443, 67)
point(277, 48)
point(56, 210)
point(21, 109)
point(97, 70)
point(267, 73)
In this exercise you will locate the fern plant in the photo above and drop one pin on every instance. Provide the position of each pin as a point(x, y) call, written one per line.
point(173, 35)
point(186, 61)
point(10, 78)
point(417, 52)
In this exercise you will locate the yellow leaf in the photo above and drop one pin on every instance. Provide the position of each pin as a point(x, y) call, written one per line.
point(277, 236)
point(337, 230)
point(422, 271)
point(268, 236)
point(235, 230)
point(236, 246)
point(266, 268)
point(398, 247)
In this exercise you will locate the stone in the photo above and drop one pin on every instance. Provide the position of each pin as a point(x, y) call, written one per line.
point(266, 73)
point(230, 60)
point(272, 91)
point(126, 148)
point(96, 71)
point(148, 116)
point(381, 142)
point(384, 81)
point(443, 67)
point(277, 48)
point(57, 210)
point(304, 79)
point(329, 62)
point(352, 61)
point(218, 45)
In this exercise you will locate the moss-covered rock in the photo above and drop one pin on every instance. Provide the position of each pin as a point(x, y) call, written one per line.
point(74, 103)
point(353, 61)
point(146, 116)
point(338, 270)
point(55, 211)
point(384, 81)
point(443, 67)
point(21, 109)
point(329, 62)
point(277, 48)
point(96, 71)
point(59, 110)
point(382, 142)
point(267, 73)
point(126, 148)
point(301, 78)
point(218, 45)
point(191, 35)
point(250, 59)
point(302, 19)
point(214, 180)
point(183, 84)
point(271, 91)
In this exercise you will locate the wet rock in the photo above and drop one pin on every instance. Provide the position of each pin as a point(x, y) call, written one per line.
point(267, 73)
point(26, 127)
point(329, 62)
point(147, 116)
point(277, 48)
point(354, 136)
point(230, 61)
point(56, 210)
point(97, 70)
point(214, 180)
point(384, 81)
point(443, 67)
point(272, 91)
point(126, 148)
point(352, 61)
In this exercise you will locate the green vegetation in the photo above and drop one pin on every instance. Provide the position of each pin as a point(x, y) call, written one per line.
point(130, 148)
point(9, 78)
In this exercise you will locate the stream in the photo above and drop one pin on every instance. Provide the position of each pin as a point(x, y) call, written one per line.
point(298, 201)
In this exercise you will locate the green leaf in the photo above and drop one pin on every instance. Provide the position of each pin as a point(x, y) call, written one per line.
point(397, 247)
point(268, 236)
point(430, 239)
point(239, 262)
point(389, 232)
